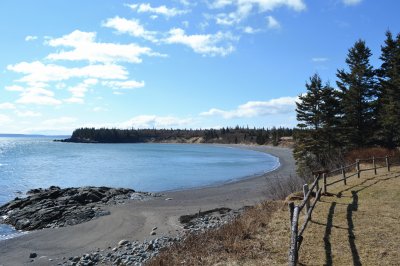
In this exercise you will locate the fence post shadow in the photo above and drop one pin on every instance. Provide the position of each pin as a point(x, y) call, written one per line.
point(328, 230)
point(353, 207)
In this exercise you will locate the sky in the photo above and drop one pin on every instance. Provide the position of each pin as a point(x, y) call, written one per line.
point(174, 64)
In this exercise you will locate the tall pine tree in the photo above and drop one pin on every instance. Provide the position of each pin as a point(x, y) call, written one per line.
point(358, 97)
point(389, 86)
point(317, 113)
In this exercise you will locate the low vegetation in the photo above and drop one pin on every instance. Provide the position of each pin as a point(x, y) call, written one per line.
point(357, 224)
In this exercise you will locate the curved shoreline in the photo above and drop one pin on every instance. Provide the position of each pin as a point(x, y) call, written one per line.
point(135, 220)
point(232, 180)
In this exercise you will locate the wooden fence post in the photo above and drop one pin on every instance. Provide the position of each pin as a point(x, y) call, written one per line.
point(305, 192)
point(291, 209)
point(344, 175)
point(325, 186)
point(387, 163)
point(293, 252)
point(358, 168)
point(374, 164)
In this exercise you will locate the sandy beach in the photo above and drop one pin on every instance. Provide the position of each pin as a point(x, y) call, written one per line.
point(135, 220)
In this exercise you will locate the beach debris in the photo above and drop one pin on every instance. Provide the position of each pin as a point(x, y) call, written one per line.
point(168, 199)
point(32, 255)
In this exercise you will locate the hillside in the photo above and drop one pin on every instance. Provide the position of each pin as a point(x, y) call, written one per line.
point(357, 225)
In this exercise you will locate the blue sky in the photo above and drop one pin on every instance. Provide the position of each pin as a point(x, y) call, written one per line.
point(176, 64)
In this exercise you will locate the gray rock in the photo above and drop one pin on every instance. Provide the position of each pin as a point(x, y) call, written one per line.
point(56, 207)
point(123, 242)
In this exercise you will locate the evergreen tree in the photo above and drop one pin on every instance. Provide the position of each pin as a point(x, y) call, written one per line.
point(309, 108)
point(330, 119)
point(389, 86)
point(358, 96)
point(317, 113)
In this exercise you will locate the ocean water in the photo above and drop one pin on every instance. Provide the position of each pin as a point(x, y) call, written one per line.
point(27, 163)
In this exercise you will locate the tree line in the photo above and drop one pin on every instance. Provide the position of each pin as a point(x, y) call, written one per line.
point(363, 111)
point(228, 135)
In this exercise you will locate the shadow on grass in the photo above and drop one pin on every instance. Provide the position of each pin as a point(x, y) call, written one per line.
point(328, 230)
point(353, 207)
point(377, 179)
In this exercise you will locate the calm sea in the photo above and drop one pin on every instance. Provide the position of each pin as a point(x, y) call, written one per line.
point(27, 163)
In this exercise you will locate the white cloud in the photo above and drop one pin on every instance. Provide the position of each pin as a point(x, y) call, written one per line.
point(242, 12)
point(250, 30)
point(84, 47)
point(153, 121)
point(14, 88)
point(205, 44)
point(75, 100)
point(351, 2)
point(245, 8)
point(185, 24)
point(4, 119)
point(78, 92)
point(7, 106)
point(59, 121)
point(319, 59)
point(272, 23)
point(185, 2)
point(124, 85)
point(131, 27)
point(263, 5)
point(37, 72)
point(30, 38)
point(161, 10)
point(38, 96)
point(99, 109)
point(27, 114)
point(257, 108)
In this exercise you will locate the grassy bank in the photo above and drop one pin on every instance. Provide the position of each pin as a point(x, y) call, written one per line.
point(357, 225)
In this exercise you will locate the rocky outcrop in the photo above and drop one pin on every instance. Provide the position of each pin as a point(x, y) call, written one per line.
point(56, 207)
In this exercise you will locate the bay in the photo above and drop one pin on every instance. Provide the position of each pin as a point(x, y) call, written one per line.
point(27, 163)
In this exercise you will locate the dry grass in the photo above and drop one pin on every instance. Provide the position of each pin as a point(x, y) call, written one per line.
point(235, 243)
point(358, 225)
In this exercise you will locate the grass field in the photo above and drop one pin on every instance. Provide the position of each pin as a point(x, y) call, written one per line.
point(357, 225)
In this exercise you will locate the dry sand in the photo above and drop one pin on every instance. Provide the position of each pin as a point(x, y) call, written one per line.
point(135, 220)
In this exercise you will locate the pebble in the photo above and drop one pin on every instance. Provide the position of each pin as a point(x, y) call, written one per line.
point(138, 253)
point(123, 242)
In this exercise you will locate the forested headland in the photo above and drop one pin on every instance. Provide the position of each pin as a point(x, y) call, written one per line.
point(228, 135)
point(362, 112)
